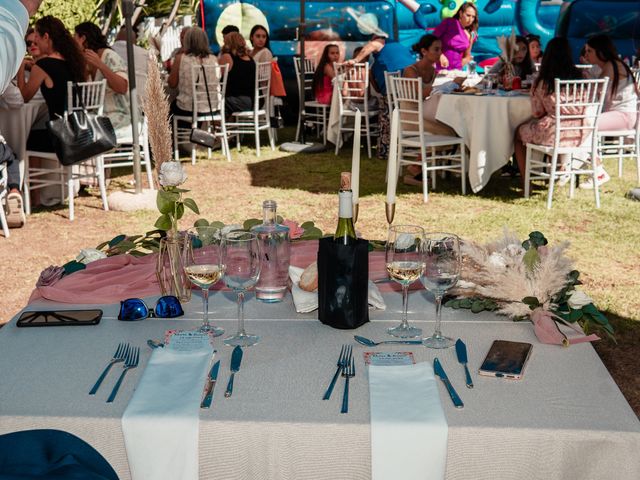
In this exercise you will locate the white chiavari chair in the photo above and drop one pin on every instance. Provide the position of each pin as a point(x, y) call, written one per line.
point(434, 153)
point(578, 107)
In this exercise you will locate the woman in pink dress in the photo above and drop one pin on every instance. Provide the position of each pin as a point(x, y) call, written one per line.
point(556, 63)
point(324, 74)
point(457, 35)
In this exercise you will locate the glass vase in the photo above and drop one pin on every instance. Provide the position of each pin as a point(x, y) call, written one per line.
point(172, 255)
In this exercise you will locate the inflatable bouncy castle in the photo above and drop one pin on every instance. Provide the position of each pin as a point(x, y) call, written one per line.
point(336, 21)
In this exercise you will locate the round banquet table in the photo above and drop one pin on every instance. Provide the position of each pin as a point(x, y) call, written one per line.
point(15, 125)
point(487, 123)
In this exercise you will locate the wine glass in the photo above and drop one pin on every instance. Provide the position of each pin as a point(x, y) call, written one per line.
point(441, 272)
point(204, 268)
point(405, 262)
point(241, 260)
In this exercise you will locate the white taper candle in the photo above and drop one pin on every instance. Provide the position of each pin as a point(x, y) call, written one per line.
point(392, 169)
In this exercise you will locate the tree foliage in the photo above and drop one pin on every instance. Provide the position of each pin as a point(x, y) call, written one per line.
point(71, 12)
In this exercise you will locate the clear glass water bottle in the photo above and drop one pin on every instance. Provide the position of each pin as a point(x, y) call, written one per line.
point(275, 249)
point(472, 68)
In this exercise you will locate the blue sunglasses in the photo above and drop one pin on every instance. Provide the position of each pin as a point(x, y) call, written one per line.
point(133, 309)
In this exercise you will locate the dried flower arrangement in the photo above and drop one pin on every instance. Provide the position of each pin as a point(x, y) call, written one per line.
point(524, 280)
point(170, 174)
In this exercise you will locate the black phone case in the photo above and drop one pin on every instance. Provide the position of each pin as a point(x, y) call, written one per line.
point(47, 318)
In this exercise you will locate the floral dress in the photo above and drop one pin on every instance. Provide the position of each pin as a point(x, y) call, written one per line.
point(116, 105)
point(541, 129)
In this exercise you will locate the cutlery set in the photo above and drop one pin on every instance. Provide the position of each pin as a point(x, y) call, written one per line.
point(212, 378)
point(130, 356)
point(347, 366)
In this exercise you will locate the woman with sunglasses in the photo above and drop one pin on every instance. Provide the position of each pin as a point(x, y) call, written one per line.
point(62, 62)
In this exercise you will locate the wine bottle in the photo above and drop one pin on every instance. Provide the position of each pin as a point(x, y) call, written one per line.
point(345, 233)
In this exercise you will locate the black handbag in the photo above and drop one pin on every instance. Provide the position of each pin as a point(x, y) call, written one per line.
point(80, 135)
point(198, 135)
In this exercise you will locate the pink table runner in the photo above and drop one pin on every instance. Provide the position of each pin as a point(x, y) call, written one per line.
point(113, 279)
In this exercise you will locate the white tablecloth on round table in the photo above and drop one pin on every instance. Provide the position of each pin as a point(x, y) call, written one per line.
point(15, 125)
point(487, 124)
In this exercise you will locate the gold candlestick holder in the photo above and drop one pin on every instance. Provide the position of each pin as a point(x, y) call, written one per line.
point(390, 210)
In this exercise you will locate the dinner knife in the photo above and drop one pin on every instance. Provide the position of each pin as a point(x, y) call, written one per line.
point(236, 360)
point(211, 383)
point(461, 352)
point(439, 371)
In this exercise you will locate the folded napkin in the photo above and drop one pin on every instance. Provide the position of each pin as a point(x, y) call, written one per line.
point(408, 426)
point(306, 302)
point(160, 424)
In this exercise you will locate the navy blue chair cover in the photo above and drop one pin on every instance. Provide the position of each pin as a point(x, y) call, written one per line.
point(50, 454)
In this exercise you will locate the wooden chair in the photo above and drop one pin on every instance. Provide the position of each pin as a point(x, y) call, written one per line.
point(434, 153)
point(576, 101)
point(216, 76)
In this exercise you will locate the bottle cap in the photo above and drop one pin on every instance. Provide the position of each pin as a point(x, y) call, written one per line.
point(345, 181)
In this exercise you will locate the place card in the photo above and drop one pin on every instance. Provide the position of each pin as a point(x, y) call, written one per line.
point(389, 358)
point(186, 340)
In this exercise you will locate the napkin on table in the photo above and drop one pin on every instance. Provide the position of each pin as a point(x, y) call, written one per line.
point(408, 427)
point(160, 424)
point(306, 302)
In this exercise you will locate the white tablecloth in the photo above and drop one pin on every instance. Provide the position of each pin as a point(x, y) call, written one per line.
point(565, 420)
point(487, 124)
point(15, 125)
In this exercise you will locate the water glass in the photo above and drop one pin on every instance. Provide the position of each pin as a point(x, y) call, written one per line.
point(441, 271)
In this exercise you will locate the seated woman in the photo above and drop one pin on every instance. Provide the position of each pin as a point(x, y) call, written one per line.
point(458, 34)
point(241, 80)
point(324, 74)
point(556, 63)
point(535, 49)
point(104, 63)
point(63, 62)
point(260, 41)
point(429, 48)
point(521, 61)
point(195, 52)
point(621, 103)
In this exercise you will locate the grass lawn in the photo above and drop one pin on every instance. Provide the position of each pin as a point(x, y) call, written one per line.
point(603, 242)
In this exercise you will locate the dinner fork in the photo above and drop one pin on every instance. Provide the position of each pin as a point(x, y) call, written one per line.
point(347, 372)
point(342, 361)
point(119, 356)
point(133, 356)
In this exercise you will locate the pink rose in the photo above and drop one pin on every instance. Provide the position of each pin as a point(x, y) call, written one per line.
point(50, 276)
point(295, 231)
point(543, 250)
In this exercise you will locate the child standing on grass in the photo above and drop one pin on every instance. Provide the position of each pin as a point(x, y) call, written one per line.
point(324, 74)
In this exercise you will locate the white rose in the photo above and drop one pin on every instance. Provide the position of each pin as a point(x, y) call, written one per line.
point(171, 174)
point(405, 241)
point(88, 255)
point(579, 299)
point(496, 260)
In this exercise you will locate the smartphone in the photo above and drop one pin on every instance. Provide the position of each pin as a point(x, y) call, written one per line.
point(506, 359)
point(48, 318)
